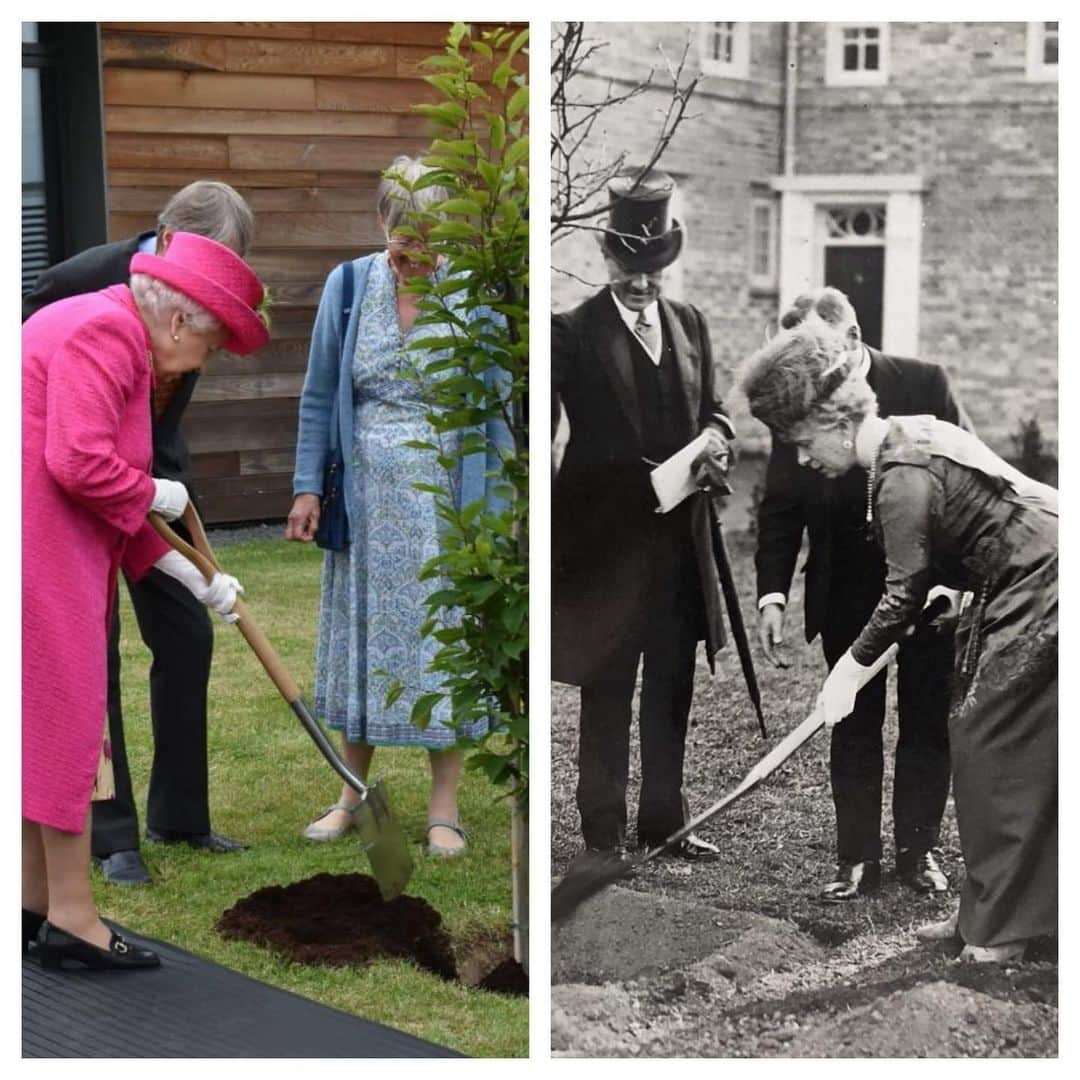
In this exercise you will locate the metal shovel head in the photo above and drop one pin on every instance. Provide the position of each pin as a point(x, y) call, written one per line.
point(384, 842)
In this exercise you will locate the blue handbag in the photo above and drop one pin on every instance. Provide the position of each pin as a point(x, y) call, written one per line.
point(332, 533)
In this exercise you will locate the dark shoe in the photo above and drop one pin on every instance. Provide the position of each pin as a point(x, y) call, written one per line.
point(852, 880)
point(920, 870)
point(692, 848)
point(123, 868)
point(54, 946)
point(210, 841)
point(31, 924)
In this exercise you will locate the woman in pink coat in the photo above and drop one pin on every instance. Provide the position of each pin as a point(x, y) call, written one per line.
point(89, 366)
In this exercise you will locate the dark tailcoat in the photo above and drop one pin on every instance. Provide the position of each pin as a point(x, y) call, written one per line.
point(173, 624)
point(97, 268)
point(603, 506)
point(845, 576)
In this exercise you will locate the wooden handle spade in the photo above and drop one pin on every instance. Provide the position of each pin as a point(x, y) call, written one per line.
point(203, 557)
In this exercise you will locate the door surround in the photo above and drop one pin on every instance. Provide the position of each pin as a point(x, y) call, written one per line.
point(802, 257)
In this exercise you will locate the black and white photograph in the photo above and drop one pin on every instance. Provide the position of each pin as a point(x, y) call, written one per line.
point(804, 539)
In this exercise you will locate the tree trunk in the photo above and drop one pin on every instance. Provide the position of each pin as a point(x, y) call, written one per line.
point(519, 862)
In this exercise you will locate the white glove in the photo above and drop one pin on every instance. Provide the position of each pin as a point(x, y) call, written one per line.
point(837, 697)
point(219, 595)
point(953, 596)
point(170, 499)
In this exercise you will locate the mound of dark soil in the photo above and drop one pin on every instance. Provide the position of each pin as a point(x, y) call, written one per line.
point(508, 978)
point(341, 919)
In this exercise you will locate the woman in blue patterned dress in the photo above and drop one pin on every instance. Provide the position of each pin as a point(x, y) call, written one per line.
point(372, 604)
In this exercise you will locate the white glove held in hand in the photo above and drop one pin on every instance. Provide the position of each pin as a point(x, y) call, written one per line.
point(170, 499)
point(837, 697)
point(219, 595)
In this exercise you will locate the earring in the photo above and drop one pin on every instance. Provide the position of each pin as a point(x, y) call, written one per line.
point(176, 337)
point(847, 444)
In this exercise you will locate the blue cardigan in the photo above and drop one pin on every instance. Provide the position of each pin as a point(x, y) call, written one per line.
point(329, 379)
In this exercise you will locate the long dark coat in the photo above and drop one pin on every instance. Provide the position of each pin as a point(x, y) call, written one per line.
point(603, 505)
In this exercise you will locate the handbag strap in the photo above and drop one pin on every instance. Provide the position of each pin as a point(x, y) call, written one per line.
point(348, 298)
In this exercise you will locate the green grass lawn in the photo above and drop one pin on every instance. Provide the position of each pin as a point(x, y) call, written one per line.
point(267, 781)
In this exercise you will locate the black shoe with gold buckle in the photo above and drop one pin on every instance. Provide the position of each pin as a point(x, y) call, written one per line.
point(55, 946)
point(853, 880)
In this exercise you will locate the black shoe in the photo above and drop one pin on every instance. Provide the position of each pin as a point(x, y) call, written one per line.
point(123, 868)
point(692, 848)
point(920, 870)
point(31, 924)
point(210, 841)
point(852, 880)
point(54, 946)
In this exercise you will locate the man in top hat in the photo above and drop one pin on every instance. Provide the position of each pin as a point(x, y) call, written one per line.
point(173, 624)
point(845, 576)
point(634, 373)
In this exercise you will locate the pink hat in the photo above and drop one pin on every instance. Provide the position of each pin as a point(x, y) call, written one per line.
point(215, 277)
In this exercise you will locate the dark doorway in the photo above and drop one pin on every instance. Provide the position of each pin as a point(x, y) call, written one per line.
point(63, 159)
point(859, 271)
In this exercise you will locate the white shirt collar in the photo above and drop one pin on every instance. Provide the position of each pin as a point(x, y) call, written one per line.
point(652, 313)
point(148, 244)
point(864, 364)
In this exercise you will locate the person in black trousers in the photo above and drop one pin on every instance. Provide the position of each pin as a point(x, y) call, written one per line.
point(635, 375)
point(845, 577)
point(174, 626)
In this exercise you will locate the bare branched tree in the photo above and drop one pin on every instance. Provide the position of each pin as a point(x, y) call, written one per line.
point(579, 173)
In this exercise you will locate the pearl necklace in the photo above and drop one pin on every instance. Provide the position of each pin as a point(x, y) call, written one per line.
point(871, 477)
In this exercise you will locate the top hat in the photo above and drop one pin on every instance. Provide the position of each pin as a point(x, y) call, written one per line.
point(640, 235)
point(215, 277)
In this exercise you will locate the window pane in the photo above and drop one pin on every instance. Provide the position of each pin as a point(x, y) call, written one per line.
point(850, 33)
point(871, 58)
point(851, 57)
point(871, 33)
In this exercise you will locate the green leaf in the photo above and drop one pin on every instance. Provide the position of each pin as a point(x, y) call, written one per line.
point(393, 693)
point(461, 206)
point(518, 103)
point(421, 711)
point(518, 152)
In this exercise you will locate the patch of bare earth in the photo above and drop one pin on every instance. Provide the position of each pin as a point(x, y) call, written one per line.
point(738, 957)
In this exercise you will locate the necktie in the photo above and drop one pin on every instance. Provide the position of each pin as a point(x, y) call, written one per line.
point(648, 333)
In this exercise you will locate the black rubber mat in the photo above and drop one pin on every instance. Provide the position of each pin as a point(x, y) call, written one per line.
point(190, 1007)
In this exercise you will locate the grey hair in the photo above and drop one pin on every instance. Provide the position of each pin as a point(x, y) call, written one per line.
point(828, 303)
point(160, 300)
point(212, 209)
point(395, 201)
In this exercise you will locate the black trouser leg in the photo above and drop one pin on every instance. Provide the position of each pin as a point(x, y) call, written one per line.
point(855, 766)
point(115, 822)
point(176, 629)
point(921, 786)
point(604, 752)
point(667, 688)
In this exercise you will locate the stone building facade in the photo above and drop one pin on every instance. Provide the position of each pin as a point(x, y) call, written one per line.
point(914, 165)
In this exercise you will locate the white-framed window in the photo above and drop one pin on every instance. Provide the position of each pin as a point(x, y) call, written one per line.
point(763, 241)
point(1042, 51)
point(856, 54)
point(725, 48)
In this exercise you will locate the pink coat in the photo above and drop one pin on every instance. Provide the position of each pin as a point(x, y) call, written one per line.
point(86, 490)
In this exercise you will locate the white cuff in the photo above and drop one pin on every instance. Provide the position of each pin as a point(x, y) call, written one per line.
point(183, 570)
point(772, 598)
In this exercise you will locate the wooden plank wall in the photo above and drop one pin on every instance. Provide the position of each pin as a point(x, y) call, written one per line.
point(301, 118)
